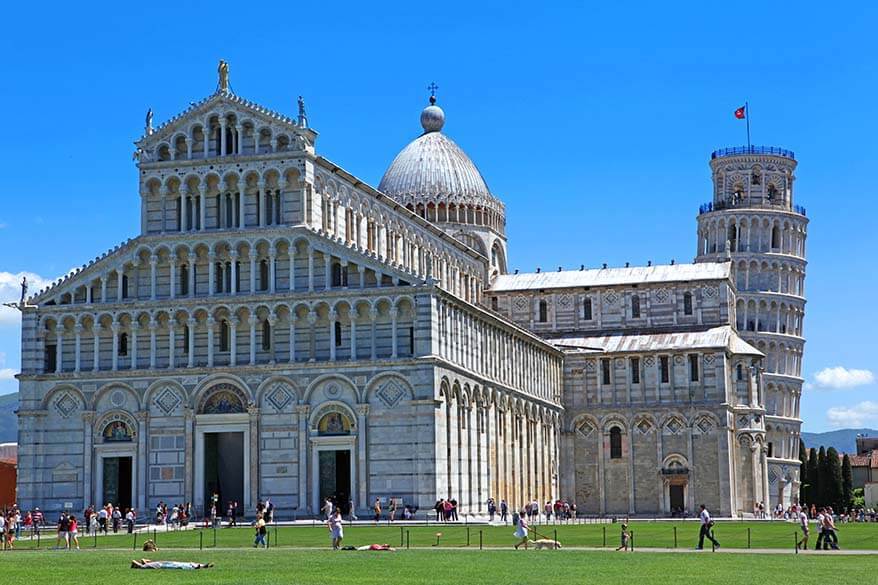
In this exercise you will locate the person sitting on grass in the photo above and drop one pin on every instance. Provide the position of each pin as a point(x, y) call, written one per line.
point(521, 531)
point(626, 537)
point(184, 565)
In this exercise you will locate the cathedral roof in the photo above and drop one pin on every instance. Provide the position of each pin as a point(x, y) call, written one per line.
point(612, 276)
point(723, 337)
point(434, 169)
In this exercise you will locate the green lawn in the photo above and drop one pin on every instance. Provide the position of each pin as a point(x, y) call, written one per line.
point(437, 567)
point(646, 534)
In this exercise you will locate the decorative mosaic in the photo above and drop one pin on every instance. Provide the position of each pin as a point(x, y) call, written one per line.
point(708, 359)
point(66, 404)
point(661, 295)
point(678, 359)
point(168, 400)
point(279, 396)
point(391, 393)
point(585, 429)
point(705, 425)
point(521, 303)
point(649, 361)
point(644, 426)
point(332, 390)
point(743, 421)
point(674, 426)
point(710, 291)
point(117, 398)
point(611, 298)
point(564, 300)
point(589, 365)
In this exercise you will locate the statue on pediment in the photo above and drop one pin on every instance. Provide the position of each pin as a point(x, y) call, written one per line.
point(149, 122)
point(223, 73)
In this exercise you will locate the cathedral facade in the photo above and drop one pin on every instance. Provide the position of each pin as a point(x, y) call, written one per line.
point(280, 329)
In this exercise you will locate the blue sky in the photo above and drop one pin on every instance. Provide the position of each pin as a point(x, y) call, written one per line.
point(593, 123)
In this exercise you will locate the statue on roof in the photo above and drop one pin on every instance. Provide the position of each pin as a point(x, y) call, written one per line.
point(223, 72)
point(149, 122)
point(23, 288)
point(303, 117)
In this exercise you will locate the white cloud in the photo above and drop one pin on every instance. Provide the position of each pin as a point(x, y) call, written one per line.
point(860, 415)
point(10, 292)
point(7, 374)
point(841, 377)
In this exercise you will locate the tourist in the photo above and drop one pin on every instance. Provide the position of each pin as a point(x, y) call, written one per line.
point(829, 524)
point(706, 525)
point(446, 508)
point(2, 525)
point(521, 530)
point(376, 508)
point(269, 510)
point(336, 530)
point(626, 536)
point(63, 529)
point(351, 511)
point(117, 519)
point(261, 531)
point(73, 532)
point(327, 508)
point(392, 509)
point(11, 529)
point(439, 507)
point(38, 520)
point(548, 510)
point(102, 520)
point(492, 509)
point(453, 503)
point(129, 520)
point(504, 511)
point(803, 524)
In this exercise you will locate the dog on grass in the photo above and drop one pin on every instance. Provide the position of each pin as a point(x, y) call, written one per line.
point(545, 543)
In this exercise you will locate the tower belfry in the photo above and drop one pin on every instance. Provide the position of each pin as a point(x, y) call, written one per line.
point(754, 223)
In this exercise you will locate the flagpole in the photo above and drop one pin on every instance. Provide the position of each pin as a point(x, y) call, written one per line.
point(747, 116)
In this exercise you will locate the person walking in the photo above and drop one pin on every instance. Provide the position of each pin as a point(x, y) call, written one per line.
point(73, 532)
point(63, 529)
point(129, 520)
point(626, 538)
point(392, 509)
point(376, 508)
point(261, 531)
point(521, 530)
point(504, 511)
point(706, 525)
point(492, 509)
point(336, 528)
point(803, 524)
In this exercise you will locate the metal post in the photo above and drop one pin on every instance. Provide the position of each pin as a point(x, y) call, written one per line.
point(267, 539)
point(134, 547)
point(796, 541)
point(214, 538)
point(480, 540)
point(96, 540)
point(407, 539)
point(275, 534)
point(201, 540)
point(748, 537)
point(400, 536)
point(632, 541)
point(556, 534)
point(712, 541)
point(467, 535)
point(155, 536)
point(675, 537)
point(605, 536)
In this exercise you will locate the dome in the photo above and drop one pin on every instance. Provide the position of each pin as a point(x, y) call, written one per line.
point(434, 169)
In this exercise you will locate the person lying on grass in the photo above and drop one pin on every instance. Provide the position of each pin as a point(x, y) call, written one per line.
point(185, 565)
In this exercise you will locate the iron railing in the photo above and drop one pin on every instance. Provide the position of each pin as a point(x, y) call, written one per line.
point(736, 150)
point(750, 204)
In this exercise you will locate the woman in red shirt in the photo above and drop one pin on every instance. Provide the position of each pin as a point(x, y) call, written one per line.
point(73, 532)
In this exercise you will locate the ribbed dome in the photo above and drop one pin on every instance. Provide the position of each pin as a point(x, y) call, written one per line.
point(434, 169)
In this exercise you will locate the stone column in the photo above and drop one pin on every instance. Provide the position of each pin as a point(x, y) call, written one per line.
point(242, 206)
point(252, 319)
point(252, 255)
point(292, 326)
point(120, 276)
point(96, 340)
point(211, 323)
point(173, 275)
point(271, 321)
point(253, 413)
point(191, 323)
point(292, 260)
point(310, 269)
point(353, 316)
point(104, 278)
point(233, 277)
point(333, 317)
point(172, 342)
point(260, 197)
point(233, 340)
point(362, 475)
point(271, 271)
point(115, 359)
point(88, 419)
point(302, 427)
point(135, 328)
point(222, 137)
point(373, 316)
point(211, 274)
point(312, 342)
point(77, 362)
point(239, 139)
point(152, 343)
point(362, 270)
point(153, 261)
point(192, 259)
point(202, 207)
point(394, 314)
point(142, 479)
point(327, 271)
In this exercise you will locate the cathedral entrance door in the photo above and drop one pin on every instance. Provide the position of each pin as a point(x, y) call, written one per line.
point(223, 470)
point(335, 477)
point(677, 494)
point(117, 482)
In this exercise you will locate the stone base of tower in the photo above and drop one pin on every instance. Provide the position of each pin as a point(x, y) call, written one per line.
point(783, 483)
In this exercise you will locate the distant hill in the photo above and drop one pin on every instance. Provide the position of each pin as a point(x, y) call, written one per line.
point(844, 440)
point(8, 420)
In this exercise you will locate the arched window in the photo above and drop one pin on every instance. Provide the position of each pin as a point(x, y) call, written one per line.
point(50, 358)
point(544, 312)
point(586, 309)
point(740, 372)
point(185, 339)
point(123, 344)
point(184, 279)
point(772, 192)
point(263, 275)
point(225, 335)
point(227, 280)
point(124, 286)
point(219, 281)
point(337, 334)
point(775, 237)
point(687, 303)
point(635, 306)
point(339, 275)
point(266, 335)
point(615, 443)
point(733, 238)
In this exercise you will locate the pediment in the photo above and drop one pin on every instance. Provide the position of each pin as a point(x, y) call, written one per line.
point(231, 107)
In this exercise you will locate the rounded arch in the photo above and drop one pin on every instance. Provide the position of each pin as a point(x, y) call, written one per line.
point(154, 389)
point(73, 390)
point(208, 384)
point(325, 380)
point(390, 387)
point(116, 426)
point(270, 384)
point(332, 407)
point(106, 388)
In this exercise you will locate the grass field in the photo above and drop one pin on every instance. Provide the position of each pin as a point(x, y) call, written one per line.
point(423, 566)
point(778, 535)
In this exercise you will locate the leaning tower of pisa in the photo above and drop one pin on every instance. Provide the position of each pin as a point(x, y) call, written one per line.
point(754, 220)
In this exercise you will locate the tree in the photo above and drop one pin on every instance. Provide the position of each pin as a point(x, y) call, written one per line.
point(834, 489)
point(813, 478)
point(804, 479)
point(822, 477)
point(847, 482)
